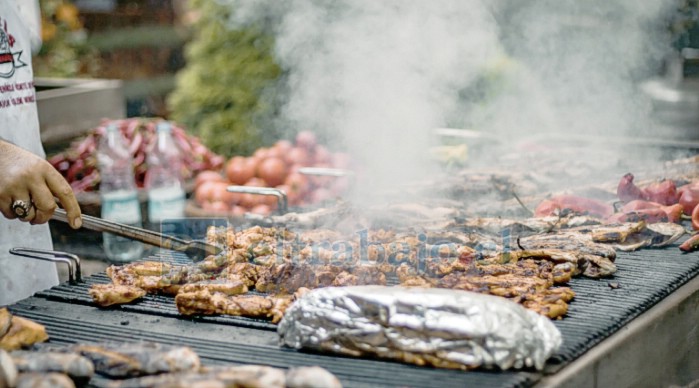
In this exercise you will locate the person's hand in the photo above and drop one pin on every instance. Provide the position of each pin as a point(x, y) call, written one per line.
point(29, 178)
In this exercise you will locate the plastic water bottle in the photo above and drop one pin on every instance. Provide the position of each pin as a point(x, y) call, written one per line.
point(119, 195)
point(166, 194)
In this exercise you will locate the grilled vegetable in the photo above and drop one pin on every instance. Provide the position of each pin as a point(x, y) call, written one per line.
point(692, 244)
point(576, 204)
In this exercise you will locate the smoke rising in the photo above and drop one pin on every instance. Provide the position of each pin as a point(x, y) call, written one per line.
point(377, 76)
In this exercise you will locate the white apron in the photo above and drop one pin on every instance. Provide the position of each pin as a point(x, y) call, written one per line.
point(19, 123)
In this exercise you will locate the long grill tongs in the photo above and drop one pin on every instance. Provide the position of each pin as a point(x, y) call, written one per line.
point(194, 249)
point(72, 261)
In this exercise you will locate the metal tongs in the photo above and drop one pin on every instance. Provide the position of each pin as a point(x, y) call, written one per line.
point(194, 249)
point(72, 261)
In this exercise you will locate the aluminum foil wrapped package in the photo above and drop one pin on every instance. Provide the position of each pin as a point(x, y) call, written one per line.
point(423, 326)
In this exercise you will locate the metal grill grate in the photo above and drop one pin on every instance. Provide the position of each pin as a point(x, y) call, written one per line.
point(598, 310)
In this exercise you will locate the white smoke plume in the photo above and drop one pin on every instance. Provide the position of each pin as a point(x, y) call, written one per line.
point(378, 75)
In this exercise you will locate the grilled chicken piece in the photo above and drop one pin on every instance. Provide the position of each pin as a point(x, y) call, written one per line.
point(345, 278)
point(616, 233)
point(551, 304)
point(286, 278)
point(77, 367)
point(110, 294)
point(44, 380)
point(8, 370)
point(235, 287)
point(238, 376)
point(599, 267)
point(204, 302)
point(369, 274)
point(248, 273)
point(137, 359)
point(311, 377)
point(416, 281)
point(22, 332)
point(572, 241)
point(5, 321)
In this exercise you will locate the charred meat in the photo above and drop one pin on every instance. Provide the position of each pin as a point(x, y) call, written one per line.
point(110, 294)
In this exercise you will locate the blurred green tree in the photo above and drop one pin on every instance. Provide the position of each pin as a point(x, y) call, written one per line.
point(225, 94)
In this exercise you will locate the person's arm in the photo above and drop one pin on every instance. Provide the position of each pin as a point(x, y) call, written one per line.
point(27, 177)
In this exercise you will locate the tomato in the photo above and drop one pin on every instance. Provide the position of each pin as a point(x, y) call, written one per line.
point(306, 139)
point(341, 186)
point(220, 194)
point(341, 160)
point(273, 171)
point(240, 169)
point(261, 209)
point(283, 146)
point(297, 182)
point(204, 192)
point(293, 197)
point(208, 175)
point(238, 211)
point(321, 155)
point(320, 195)
point(217, 207)
point(689, 199)
point(298, 156)
point(321, 180)
point(261, 153)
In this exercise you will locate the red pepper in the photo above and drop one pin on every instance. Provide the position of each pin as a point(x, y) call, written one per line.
point(692, 244)
point(663, 192)
point(674, 212)
point(573, 203)
point(638, 204)
point(695, 218)
point(689, 198)
point(627, 191)
point(652, 215)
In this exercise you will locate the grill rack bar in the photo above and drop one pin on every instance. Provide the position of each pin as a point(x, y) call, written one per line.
point(645, 277)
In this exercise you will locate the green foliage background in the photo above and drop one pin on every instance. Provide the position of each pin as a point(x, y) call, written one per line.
point(225, 93)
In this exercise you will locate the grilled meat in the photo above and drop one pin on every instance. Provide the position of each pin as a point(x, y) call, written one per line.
point(311, 377)
point(137, 359)
point(77, 367)
point(5, 321)
point(44, 380)
point(22, 332)
point(204, 302)
point(110, 294)
point(238, 376)
point(8, 370)
point(286, 278)
point(552, 303)
point(235, 287)
point(248, 273)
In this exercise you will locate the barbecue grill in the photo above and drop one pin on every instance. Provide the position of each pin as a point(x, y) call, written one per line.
point(635, 329)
